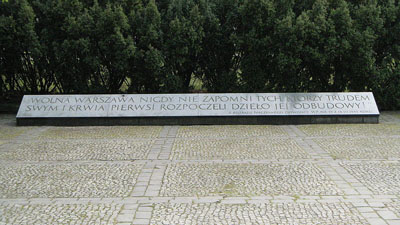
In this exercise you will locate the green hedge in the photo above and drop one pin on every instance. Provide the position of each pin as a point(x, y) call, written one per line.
point(141, 46)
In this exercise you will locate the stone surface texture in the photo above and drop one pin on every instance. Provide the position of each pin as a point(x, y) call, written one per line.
point(78, 150)
point(237, 148)
point(199, 104)
point(246, 180)
point(275, 213)
point(361, 147)
point(290, 174)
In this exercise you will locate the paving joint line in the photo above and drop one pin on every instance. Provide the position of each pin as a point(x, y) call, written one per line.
point(297, 131)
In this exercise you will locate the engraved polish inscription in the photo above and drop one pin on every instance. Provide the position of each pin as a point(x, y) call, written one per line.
point(158, 105)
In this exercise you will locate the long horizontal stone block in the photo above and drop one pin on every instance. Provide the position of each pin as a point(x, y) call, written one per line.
point(194, 109)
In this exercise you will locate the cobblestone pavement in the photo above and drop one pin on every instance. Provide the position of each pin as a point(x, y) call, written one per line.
point(306, 174)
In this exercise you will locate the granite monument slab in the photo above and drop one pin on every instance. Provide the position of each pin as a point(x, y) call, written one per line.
point(175, 109)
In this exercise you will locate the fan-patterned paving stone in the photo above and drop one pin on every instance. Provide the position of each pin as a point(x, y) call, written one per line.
point(59, 214)
point(389, 117)
point(381, 178)
point(8, 132)
point(245, 179)
point(114, 132)
point(230, 131)
point(394, 206)
point(79, 150)
point(361, 147)
point(67, 180)
point(270, 213)
point(7, 120)
point(350, 130)
point(247, 148)
point(395, 114)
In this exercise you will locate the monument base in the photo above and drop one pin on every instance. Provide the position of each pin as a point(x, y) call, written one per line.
point(196, 120)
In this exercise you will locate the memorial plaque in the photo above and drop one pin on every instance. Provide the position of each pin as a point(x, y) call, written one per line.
point(202, 108)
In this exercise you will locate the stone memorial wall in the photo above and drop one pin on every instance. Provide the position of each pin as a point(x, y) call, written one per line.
point(211, 107)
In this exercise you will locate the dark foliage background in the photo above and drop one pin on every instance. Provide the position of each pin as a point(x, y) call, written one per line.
point(147, 46)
